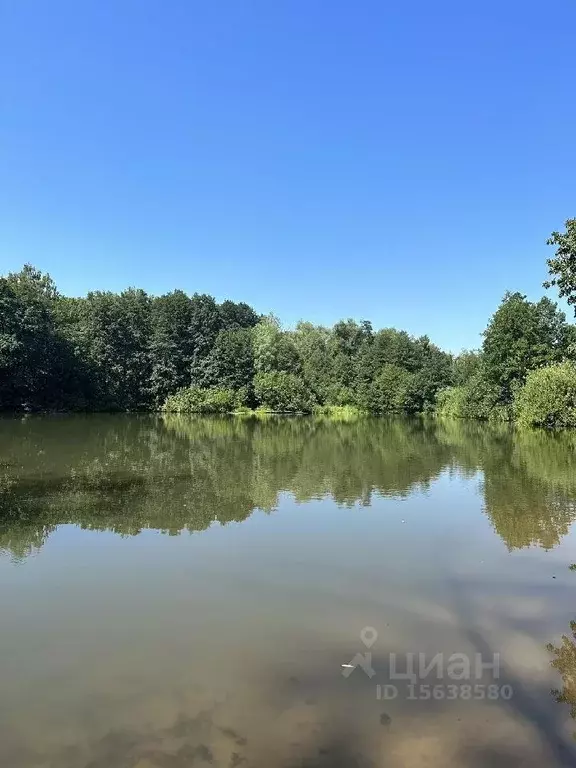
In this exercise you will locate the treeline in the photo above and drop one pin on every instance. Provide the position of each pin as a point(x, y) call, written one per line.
point(134, 352)
point(131, 352)
point(526, 369)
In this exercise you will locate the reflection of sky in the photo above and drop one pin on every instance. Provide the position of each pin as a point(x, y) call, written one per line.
point(445, 521)
point(416, 542)
point(92, 611)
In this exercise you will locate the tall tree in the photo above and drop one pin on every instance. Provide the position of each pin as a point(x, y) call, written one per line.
point(205, 324)
point(237, 315)
point(433, 374)
point(115, 332)
point(312, 343)
point(520, 336)
point(29, 345)
point(230, 363)
point(274, 349)
point(465, 365)
point(171, 345)
point(562, 267)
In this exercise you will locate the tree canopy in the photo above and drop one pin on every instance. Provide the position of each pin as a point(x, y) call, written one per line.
point(562, 266)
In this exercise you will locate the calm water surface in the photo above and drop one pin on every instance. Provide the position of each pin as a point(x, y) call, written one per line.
point(184, 592)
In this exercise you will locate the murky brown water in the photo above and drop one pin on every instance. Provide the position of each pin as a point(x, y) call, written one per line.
point(184, 592)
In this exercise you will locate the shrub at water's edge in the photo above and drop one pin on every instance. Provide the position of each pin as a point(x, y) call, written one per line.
point(548, 399)
point(198, 400)
point(477, 399)
point(339, 412)
point(275, 393)
point(283, 392)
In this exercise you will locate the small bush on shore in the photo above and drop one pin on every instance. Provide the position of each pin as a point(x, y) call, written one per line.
point(339, 412)
point(198, 400)
point(548, 398)
point(283, 392)
point(477, 399)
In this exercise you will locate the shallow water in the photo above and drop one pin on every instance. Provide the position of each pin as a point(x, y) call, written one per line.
point(180, 591)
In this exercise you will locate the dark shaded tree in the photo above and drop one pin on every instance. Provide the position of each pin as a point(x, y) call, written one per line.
point(114, 331)
point(236, 315)
point(205, 324)
point(38, 368)
point(171, 346)
point(230, 363)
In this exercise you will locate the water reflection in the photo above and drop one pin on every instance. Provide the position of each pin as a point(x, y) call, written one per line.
point(565, 663)
point(125, 474)
point(226, 648)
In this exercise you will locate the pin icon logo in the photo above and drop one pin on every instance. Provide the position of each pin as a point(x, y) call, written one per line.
point(368, 636)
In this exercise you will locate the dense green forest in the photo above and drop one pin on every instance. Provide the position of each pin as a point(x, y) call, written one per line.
point(136, 352)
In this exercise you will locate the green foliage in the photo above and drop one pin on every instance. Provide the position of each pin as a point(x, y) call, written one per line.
point(274, 349)
point(198, 400)
point(392, 347)
point(339, 412)
point(477, 399)
point(234, 316)
point(562, 267)
point(114, 333)
point(483, 400)
point(434, 372)
point(548, 399)
point(195, 340)
point(171, 345)
point(283, 392)
point(465, 365)
point(131, 351)
point(230, 363)
point(522, 335)
point(313, 344)
point(205, 324)
point(26, 339)
point(451, 402)
point(39, 368)
point(340, 395)
point(389, 391)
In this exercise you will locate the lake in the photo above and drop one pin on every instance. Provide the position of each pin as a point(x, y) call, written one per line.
point(285, 592)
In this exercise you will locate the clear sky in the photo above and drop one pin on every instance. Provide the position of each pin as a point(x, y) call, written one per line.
point(397, 161)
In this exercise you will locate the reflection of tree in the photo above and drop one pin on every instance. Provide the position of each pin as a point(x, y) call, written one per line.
point(185, 473)
point(529, 490)
point(565, 663)
point(21, 540)
point(182, 473)
point(524, 511)
point(529, 485)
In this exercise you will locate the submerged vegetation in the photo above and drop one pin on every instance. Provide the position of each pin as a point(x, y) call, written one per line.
point(189, 354)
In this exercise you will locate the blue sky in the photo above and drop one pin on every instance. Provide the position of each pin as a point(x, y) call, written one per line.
point(402, 162)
